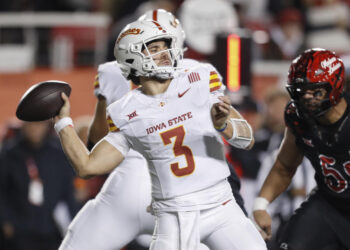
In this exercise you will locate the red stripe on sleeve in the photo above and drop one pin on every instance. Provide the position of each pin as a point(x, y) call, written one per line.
point(215, 88)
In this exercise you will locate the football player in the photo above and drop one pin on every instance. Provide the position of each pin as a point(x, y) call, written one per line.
point(317, 119)
point(176, 122)
point(118, 213)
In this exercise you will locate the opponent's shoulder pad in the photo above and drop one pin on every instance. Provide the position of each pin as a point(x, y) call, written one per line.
point(292, 117)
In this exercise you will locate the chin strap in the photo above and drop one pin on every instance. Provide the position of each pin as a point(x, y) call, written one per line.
point(324, 134)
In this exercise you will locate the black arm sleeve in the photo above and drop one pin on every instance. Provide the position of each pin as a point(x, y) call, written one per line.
point(236, 186)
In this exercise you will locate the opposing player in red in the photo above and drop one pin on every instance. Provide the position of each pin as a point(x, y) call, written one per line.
point(318, 128)
point(175, 120)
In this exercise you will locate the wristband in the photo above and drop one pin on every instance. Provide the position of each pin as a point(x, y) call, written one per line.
point(234, 130)
point(62, 123)
point(239, 139)
point(260, 203)
point(222, 128)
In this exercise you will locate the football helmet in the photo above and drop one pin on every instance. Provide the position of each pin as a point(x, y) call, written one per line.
point(169, 22)
point(131, 42)
point(317, 71)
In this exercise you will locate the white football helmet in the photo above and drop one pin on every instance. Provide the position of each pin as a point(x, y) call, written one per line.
point(133, 39)
point(169, 22)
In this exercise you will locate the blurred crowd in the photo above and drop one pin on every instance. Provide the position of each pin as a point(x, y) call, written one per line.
point(280, 29)
point(39, 193)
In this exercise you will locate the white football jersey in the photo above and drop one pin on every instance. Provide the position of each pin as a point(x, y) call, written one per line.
point(110, 83)
point(174, 132)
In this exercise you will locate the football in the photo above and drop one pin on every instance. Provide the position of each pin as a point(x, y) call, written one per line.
point(42, 101)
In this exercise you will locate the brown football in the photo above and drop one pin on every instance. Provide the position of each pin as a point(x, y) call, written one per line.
point(42, 101)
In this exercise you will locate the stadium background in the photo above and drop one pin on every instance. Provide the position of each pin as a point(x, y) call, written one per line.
point(66, 40)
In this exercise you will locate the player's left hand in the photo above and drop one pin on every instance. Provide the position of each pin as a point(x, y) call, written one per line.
point(220, 111)
point(263, 222)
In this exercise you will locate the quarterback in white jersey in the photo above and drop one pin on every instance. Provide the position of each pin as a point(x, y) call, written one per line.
point(170, 121)
point(118, 213)
point(184, 106)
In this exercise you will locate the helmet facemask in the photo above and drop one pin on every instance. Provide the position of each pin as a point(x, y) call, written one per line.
point(132, 52)
point(311, 98)
point(162, 63)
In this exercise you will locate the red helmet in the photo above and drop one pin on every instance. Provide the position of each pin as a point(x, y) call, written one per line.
point(317, 68)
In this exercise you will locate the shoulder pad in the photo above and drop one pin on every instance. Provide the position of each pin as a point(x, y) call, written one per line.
point(214, 81)
point(291, 113)
point(292, 117)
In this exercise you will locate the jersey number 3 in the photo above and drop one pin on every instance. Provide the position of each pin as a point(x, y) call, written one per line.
point(179, 149)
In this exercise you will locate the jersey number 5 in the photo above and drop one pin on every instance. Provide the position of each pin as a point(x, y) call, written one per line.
point(339, 183)
point(179, 149)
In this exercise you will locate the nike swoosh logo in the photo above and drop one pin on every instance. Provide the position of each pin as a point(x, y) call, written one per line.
point(183, 93)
